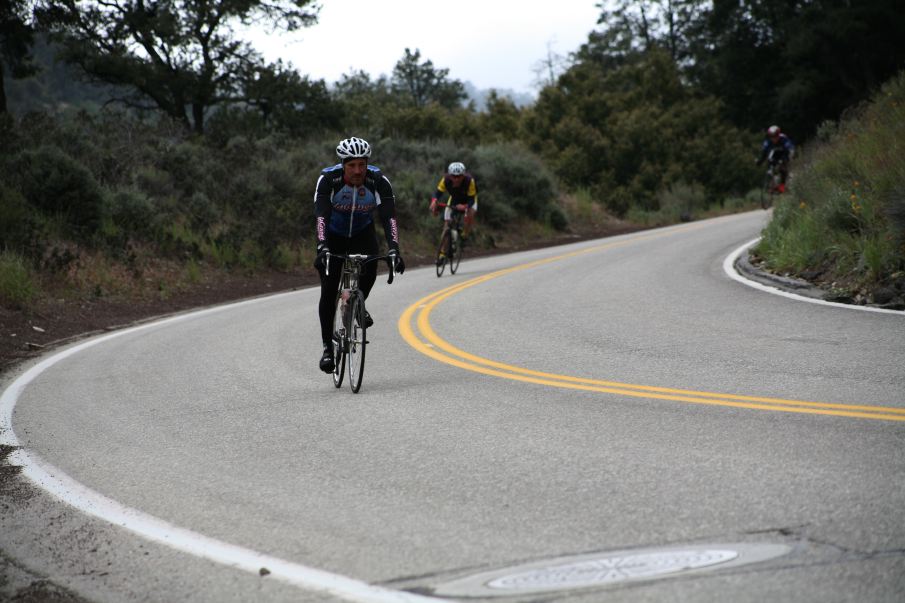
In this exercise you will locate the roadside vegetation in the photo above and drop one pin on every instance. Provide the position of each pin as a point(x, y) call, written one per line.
point(843, 224)
point(123, 177)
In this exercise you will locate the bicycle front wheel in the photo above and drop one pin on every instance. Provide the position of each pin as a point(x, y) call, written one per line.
point(357, 341)
point(339, 342)
point(766, 192)
point(455, 252)
point(441, 254)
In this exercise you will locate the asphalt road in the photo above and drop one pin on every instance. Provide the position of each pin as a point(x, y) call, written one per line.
point(570, 420)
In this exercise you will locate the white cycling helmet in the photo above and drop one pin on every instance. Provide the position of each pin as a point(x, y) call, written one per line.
point(353, 148)
point(456, 168)
point(773, 131)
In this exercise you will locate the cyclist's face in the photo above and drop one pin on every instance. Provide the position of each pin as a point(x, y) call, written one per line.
point(456, 179)
point(354, 171)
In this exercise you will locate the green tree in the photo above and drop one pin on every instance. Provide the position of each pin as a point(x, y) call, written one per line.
point(363, 101)
point(643, 25)
point(419, 102)
point(633, 131)
point(501, 121)
point(797, 62)
point(290, 101)
point(178, 56)
point(421, 83)
point(16, 40)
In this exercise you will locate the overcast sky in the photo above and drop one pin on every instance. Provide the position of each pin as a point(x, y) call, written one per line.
point(491, 43)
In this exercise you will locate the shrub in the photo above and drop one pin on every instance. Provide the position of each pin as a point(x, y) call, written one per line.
point(19, 226)
point(846, 215)
point(131, 211)
point(202, 213)
point(556, 217)
point(61, 188)
point(510, 175)
point(795, 239)
point(17, 286)
point(283, 257)
point(681, 200)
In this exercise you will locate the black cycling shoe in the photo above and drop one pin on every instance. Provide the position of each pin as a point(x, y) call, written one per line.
point(368, 320)
point(326, 364)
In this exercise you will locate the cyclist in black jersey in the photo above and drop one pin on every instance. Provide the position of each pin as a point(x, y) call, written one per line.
point(783, 150)
point(345, 199)
point(463, 196)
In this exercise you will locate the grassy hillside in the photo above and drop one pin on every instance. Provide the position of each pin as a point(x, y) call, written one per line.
point(843, 225)
point(105, 205)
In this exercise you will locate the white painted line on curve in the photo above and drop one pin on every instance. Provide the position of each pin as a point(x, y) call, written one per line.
point(88, 501)
point(729, 269)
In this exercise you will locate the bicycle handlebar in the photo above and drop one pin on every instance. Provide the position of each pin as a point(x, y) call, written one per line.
point(364, 259)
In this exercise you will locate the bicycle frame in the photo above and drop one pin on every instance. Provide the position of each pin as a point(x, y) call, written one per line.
point(772, 180)
point(349, 336)
point(456, 220)
point(774, 168)
point(450, 243)
point(455, 224)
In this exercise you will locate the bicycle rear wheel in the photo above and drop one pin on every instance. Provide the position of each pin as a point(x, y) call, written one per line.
point(455, 252)
point(339, 343)
point(357, 341)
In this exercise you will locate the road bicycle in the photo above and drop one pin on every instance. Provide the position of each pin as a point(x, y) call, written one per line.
point(349, 327)
point(450, 251)
point(772, 180)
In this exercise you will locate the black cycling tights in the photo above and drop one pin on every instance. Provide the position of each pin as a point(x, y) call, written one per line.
point(363, 242)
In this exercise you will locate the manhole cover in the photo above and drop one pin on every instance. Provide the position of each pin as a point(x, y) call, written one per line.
point(601, 569)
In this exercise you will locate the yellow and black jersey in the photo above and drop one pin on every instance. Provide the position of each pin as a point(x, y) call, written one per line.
point(466, 192)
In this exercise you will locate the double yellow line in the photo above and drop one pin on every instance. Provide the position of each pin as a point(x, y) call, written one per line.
point(415, 328)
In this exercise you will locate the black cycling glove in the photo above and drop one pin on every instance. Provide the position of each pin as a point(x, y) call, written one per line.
point(396, 258)
point(320, 262)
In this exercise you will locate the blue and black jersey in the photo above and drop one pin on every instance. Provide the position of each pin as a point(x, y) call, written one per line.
point(783, 149)
point(346, 211)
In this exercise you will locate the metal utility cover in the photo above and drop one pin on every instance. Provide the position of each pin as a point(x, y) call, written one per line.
point(601, 569)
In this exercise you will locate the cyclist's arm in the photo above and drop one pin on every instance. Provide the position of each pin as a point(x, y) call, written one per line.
point(387, 210)
point(790, 147)
point(472, 195)
point(764, 151)
point(438, 194)
point(323, 206)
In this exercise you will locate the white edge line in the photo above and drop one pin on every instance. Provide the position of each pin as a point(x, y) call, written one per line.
point(729, 269)
point(88, 501)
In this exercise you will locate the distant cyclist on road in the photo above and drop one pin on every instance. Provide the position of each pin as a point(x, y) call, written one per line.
point(345, 198)
point(783, 151)
point(463, 196)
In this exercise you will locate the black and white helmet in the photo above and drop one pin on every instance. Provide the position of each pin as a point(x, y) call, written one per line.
point(456, 168)
point(353, 148)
